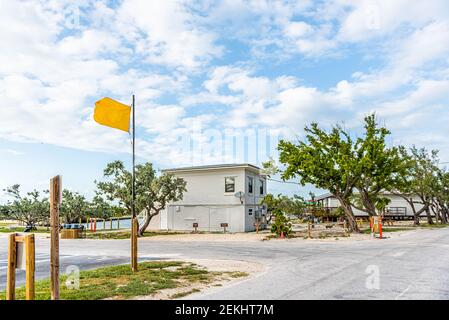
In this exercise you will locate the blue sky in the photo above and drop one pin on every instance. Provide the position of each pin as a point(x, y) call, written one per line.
point(214, 80)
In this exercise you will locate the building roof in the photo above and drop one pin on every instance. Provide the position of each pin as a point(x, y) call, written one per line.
point(329, 195)
point(215, 167)
point(324, 196)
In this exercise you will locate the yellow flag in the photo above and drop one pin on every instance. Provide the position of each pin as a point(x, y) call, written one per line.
point(112, 113)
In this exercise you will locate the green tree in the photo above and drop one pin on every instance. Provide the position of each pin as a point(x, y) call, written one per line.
point(153, 192)
point(325, 160)
point(416, 184)
point(30, 209)
point(282, 224)
point(441, 196)
point(4, 211)
point(295, 206)
point(73, 207)
point(376, 167)
point(102, 208)
point(274, 204)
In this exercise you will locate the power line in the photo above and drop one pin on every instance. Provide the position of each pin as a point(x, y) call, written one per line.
point(280, 181)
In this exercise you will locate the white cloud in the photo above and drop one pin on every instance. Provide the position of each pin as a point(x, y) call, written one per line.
point(49, 79)
point(161, 51)
point(89, 44)
point(13, 152)
point(167, 33)
point(161, 119)
point(372, 18)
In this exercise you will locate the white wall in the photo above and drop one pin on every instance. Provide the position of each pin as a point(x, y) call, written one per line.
point(205, 202)
point(255, 197)
point(250, 219)
point(208, 187)
point(208, 218)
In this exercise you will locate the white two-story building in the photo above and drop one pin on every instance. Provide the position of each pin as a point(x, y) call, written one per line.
point(216, 194)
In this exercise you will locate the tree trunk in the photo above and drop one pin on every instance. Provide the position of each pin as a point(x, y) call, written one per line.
point(352, 224)
point(367, 203)
point(436, 212)
point(415, 214)
point(146, 223)
point(416, 220)
point(443, 216)
point(441, 211)
point(429, 217)
point(346, 205)
point(444, 213)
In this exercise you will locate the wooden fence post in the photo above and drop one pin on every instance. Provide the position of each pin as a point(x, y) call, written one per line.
point(11, 276)
point(55, 201)
point(30, 266)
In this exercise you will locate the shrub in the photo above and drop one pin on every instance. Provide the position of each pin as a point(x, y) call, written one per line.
point(281, 224)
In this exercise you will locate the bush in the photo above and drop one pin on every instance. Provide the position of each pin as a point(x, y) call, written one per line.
point(281, 224)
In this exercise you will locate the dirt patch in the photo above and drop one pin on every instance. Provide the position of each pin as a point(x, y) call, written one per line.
point(336, 233)
point(227, 272)
point(188, 237)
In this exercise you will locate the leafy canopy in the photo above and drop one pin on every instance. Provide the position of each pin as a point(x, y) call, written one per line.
point(30, 209)
point(153, 192)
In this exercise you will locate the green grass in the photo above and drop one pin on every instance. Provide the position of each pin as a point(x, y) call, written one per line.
point(433, 226)
point(384, 230)
point(20, 229)
point(119, 282)
point(396, 229)
point(123, 234)
point(183, 294)
point(239, 274)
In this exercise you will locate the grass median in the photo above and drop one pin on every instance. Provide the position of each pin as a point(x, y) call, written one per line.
point(389, 229)
point(125, 234)
point(119, 282)
point(21, 229)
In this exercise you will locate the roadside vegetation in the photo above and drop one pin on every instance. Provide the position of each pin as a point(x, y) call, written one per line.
point(358, 169)
point(124, 234)
point(113, 198)
point(21, 229)
point(119, 282)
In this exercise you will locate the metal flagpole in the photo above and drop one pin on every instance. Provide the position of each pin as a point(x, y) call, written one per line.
point(134, 160)
point(134, 225)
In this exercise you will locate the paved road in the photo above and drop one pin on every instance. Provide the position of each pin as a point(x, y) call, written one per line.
point(413, 266)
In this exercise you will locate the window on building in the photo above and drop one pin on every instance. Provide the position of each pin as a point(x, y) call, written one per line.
point(229, 184)
point(250, 184)
point(261, 186)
